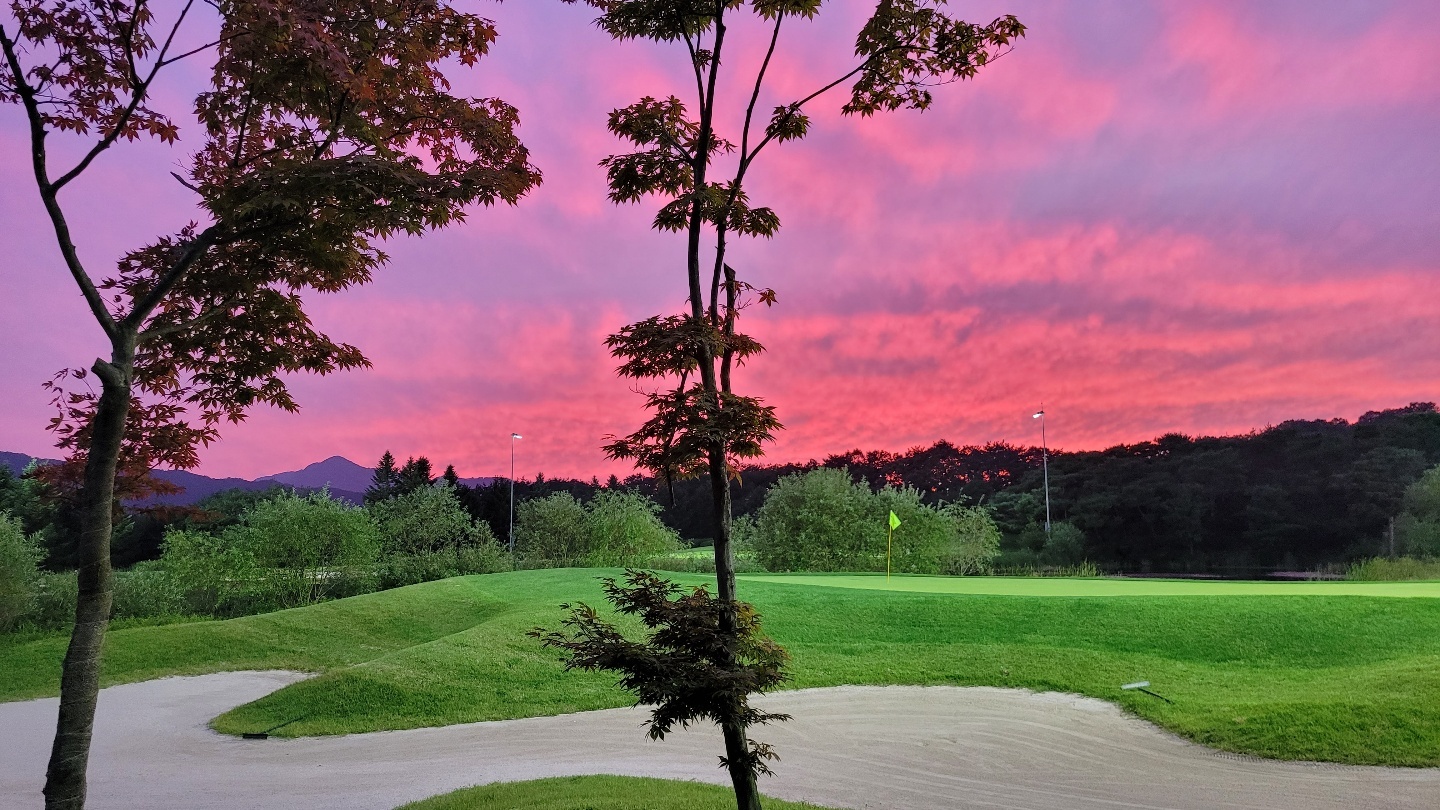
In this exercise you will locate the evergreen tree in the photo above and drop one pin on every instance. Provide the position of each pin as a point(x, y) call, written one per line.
point(416, 474)
point(386, 480)
point(451, 479)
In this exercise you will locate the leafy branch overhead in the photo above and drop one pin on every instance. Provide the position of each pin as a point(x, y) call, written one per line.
point(325, 130)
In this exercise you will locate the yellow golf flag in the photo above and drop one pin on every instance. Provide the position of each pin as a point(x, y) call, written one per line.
point(894, 521)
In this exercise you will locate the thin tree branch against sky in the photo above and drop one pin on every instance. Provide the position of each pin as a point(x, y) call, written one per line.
point(1192, 216)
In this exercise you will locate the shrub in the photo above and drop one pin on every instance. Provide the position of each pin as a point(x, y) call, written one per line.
point(425, 520)
point(552, 528)
point(146, 591)
point(813, 522)
point(1418, 527)
point(213, 575)
point(924, 538)
point(55, 597)
point(397, 570)
point(19, 572)
point(310, 549)
point(822, 521)
point(1065, 545)
point(284, 552)
point(976, 543)
point(624, 528)
point(690, 564)
point(1381, 569)
point(486, 558)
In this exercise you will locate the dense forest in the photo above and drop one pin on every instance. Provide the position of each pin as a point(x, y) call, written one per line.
point(1299, 495)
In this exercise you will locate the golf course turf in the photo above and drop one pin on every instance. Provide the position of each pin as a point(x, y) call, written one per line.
point(1324, 674)
point(595, 793)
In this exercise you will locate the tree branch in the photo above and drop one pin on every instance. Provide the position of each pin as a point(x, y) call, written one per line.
point(740, 173)
point(755, 95)
point(205, 315)
point(191, 254)
point(695, 66)
point(47, 190)
point(137, 96)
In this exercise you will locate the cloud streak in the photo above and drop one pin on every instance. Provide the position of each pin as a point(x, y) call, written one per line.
point(1196, 217)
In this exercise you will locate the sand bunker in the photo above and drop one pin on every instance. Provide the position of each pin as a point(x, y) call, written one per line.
point(855, 747)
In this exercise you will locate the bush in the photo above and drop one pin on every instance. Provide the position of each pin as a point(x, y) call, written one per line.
point(309, 549)
point(55, 598)
point(552, 528)
point(976, 543)
point(921, 542)
point(690, 564)
point(1381, 569)
point(1418, 527)
point(425, 520)
point(614, 529)
point(426, 534)
point(146, 591)
point(487, 558)
point(813, 522)
point(1065, 546)
point(398, 570)
point(213, 575)
point(822, 521)
point(624, 528)
point(19, 572)
point(285, 552)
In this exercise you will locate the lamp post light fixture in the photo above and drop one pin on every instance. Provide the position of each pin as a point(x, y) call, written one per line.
point(513, 437)
point(1045, 466)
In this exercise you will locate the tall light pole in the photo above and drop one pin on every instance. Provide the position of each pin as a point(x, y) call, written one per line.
point(513, 437)
point(1044, 465)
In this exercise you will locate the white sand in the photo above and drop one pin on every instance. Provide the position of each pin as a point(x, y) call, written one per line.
point(856, 747)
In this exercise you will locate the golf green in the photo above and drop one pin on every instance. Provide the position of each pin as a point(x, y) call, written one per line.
point(1098, 586)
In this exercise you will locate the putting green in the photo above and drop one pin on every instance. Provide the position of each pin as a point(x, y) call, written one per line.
point(1065, 586)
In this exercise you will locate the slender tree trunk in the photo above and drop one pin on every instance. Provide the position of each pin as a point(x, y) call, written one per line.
point(737, 747)
point(80, 677)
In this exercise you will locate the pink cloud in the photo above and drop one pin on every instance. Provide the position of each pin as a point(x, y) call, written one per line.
point(1202, 217)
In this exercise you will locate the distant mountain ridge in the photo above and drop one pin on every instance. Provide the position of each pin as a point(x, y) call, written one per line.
point(336, 472)
point(346, 480)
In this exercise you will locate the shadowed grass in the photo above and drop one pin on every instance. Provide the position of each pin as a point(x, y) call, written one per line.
point(595, 793)
point(1342, 678)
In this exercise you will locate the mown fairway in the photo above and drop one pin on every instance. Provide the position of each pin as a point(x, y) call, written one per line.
point(595, 793)
point(1068, 586)
point(1345, 678)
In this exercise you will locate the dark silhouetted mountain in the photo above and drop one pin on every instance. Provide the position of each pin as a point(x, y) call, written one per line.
point(17, 462)
point(198, 487)
point(336, 472)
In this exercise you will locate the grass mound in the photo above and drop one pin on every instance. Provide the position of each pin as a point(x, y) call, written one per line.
point(1345, 678)
point(595, 793)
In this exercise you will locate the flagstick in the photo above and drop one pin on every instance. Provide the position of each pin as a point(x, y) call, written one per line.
point(888, 535)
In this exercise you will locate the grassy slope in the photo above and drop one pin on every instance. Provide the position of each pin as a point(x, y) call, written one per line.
point(1341, 678)
point(594, 793)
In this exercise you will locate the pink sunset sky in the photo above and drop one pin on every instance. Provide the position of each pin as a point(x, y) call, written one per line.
point(1202, 217)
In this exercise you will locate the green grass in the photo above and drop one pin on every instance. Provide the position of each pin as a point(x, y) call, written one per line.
point(1061, 586)
point(595, 793)
point(1325, 674)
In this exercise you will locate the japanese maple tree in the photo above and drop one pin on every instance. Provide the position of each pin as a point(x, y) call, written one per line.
point(326, 129)
point(698, 170)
